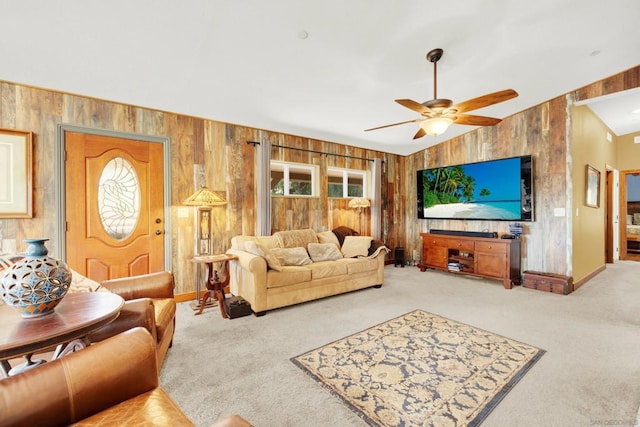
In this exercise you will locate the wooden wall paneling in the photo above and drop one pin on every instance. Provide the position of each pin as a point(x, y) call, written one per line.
point(628, 79)
point(520, 134)
point(230, 163)
point(557, 227)
point(151, 122)
point(45, 129)
point(8, 105)
point(228, 160)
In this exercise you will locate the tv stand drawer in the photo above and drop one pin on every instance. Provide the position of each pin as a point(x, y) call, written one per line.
point(491, 247)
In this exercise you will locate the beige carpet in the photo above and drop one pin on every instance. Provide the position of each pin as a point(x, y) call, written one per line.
point(420, 369)
point(589, 375)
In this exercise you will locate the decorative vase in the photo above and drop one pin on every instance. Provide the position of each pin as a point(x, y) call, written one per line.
point(37, 283)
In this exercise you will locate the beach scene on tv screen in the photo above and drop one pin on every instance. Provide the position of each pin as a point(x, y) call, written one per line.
point(487, 190)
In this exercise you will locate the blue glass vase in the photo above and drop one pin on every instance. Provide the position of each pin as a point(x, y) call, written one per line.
point(36, 284)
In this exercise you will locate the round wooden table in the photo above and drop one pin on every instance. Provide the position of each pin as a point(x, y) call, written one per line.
point(77, 315)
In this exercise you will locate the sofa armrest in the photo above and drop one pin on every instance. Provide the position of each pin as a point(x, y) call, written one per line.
point(134, 313)
point(248, 261)
point(152, 285)
point(248, 278)
point(82, 383)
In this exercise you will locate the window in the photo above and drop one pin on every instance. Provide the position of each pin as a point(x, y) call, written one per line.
point(347, 183)
point(293, 179)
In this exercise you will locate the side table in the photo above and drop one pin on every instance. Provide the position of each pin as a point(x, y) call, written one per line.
point(215, 287)
point(77, 315)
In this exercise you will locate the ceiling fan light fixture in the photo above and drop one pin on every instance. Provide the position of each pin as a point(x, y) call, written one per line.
point(436, 125)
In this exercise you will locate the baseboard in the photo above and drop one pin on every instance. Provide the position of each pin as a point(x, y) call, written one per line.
point(589, 276)
point(187, 296)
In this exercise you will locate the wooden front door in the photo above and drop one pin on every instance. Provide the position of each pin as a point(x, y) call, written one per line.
point(114, 206)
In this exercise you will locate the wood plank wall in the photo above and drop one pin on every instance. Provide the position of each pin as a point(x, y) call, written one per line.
point(220, 148)
point(540, 131)
point(229, 168)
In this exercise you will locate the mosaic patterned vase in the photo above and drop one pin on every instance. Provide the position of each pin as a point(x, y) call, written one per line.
point(37, 283)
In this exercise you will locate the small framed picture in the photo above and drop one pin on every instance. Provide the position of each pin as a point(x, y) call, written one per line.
point(592, 196)
point(16, 174)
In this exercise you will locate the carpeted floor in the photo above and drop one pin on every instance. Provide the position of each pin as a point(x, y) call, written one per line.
point(420, 370)
point(589, 375)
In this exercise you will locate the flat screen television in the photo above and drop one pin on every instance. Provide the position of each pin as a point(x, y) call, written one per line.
point(497, 190)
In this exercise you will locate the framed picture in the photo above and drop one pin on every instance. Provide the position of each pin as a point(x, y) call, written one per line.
point(592, 196)
point(16, 173)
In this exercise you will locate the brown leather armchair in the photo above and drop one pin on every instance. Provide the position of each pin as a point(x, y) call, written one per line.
point(148, 303)
point(114, 382)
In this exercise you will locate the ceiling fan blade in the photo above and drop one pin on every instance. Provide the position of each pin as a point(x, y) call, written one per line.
point(396, 124)
point(415, 106)
point(419, 134)
point(468, 119)
point(485, 100)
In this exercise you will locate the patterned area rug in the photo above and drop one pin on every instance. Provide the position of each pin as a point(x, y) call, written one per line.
point(420, 369)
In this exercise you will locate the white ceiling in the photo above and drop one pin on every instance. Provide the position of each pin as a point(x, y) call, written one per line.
point(620, 111)
point(248, 62)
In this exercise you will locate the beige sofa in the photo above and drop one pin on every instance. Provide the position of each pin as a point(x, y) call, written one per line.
point(295, 266)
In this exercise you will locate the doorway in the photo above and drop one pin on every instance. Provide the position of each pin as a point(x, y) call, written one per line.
point(114, 202)
point(630, 214)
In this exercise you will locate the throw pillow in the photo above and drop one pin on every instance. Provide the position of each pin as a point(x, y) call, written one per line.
point(342, 231)
point(258, 249)
point(355, 246)
point(323, 252)
point(6, 261)
point(80, 283)
point(328, 237)
point(636, 218)
point(292, 256)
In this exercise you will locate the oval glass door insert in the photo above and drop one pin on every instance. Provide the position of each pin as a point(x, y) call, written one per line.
point(119, 198)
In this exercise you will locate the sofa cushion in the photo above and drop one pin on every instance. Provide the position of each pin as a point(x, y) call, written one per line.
point(292, 256)
point(255, 248)
point(354, 246)
point(328, 237)
point(296, 238)
point(288, 275)
point(154, 407)
point(323, 269)
point(165, 312)
point(359, 265)
point(323, 252)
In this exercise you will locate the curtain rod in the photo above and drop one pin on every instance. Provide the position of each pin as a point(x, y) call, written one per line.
point(314, 151)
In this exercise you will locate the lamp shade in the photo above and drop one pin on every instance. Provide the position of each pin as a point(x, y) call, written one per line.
point(205, 197)
point(359, 202)
point(436, 125)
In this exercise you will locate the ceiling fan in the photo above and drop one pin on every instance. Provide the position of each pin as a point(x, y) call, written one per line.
point(438, 114)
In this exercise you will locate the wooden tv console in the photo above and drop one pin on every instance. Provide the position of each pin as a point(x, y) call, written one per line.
point(492, 258)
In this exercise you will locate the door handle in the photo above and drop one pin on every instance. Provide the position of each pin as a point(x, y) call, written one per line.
point(158, 220)
point(158, 232)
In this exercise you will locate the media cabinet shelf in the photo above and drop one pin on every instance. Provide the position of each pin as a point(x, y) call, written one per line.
point(491, 258)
